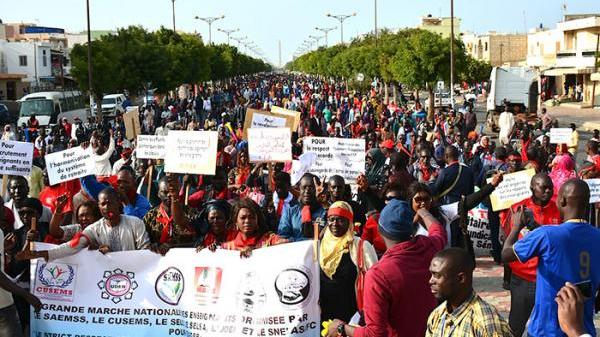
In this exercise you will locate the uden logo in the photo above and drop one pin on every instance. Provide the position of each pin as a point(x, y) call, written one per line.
point(117, 285)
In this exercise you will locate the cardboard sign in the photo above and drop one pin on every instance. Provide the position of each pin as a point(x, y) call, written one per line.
point(265, 119)
point(560, 136)
point(594, 185)
point(513, 188)
point(269, 145)
point(337, 156)
point(15, 158)
point(150, 147)
point(132, 123)
point(191, 152)
point(287, 112)
point(70, 164)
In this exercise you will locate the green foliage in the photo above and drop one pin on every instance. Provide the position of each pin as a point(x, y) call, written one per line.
point(475, 70)
point(134, 57)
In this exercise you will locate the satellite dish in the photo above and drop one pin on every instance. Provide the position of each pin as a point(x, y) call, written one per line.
point(360, 77)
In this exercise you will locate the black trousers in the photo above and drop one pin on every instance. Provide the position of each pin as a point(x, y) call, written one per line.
point(522, 299)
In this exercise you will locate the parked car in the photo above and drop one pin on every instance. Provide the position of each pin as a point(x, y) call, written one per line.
point(113, 104)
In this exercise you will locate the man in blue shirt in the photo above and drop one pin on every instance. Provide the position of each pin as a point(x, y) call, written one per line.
point(296, 222)
point(134, 204)
point(567, 253)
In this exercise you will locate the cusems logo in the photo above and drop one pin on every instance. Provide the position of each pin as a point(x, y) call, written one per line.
point(169, 285)
point(55, 281)
point(117, 285)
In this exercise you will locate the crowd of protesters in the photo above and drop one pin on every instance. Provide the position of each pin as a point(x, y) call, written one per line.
point(395, 257)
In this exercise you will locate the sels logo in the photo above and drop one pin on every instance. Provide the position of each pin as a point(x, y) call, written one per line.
point(169, 286)
point(117, 285)
point(55, 281)
point(293, 286)
point(250, 294)
point(207, 282)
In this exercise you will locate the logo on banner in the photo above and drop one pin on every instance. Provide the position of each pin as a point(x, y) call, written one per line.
point(207, 281)
point(169, 286)
point(117, 285)
point(293, 286)
point(250, 294)
point(55, 281)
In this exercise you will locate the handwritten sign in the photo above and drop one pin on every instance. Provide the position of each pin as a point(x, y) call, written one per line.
point(594, 185)
point(131, 119)
point(269, 145)
point(191, 152)
point(337, 156)
point(69, 164)
point(150, 147)
point(513, 188)
point(268, 119)
point(560, 136)
point(15, 158)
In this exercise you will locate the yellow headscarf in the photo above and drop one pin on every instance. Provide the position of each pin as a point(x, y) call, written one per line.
point(333, 248)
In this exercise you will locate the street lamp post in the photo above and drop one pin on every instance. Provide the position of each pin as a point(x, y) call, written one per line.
point(239, 40)
point(341, 18)
point(210, 21)
point(228, 32)
point(375, 23)
point(173, 3)
point(326, 32)
point(451, 53)
point(89, 54)
point(316, 39)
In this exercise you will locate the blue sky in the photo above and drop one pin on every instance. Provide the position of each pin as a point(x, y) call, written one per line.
point(265, 22)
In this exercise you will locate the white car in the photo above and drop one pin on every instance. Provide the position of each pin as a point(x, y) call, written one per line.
point(111, 104)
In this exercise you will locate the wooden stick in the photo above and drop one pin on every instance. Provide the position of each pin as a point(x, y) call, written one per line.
point(149, 183)
point(4, 184)
point(187, 193)
point(315, 240)
point(270, 168)
point(33, 228)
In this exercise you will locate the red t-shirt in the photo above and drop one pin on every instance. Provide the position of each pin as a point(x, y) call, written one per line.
point(544, 216)
point(371, 233)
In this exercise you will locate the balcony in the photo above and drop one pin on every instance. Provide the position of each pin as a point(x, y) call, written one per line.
point(575, 59)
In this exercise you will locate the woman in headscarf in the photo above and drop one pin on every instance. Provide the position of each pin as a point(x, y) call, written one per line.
point(344, 259)
point(252, 229)
point(374, 171)
point(563, 168)
point(213, 221)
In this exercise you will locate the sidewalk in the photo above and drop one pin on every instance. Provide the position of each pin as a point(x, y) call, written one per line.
point(586, 119)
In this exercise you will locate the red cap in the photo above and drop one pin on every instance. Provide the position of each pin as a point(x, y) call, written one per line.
point(388, 144)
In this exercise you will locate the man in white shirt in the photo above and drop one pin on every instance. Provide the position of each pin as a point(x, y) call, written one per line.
point(114, 232)
point(506, 121)
point(9, 320)
point(102, 154)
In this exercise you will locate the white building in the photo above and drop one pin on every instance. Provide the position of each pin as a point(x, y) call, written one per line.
point(29, 58)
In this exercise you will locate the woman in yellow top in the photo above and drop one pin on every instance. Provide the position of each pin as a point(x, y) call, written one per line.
point(344, 259)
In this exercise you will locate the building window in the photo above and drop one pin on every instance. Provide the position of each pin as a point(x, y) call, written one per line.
point(44, 61)
point(23, 60)
point(486, 46)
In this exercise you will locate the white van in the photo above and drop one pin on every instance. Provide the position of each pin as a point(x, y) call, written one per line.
point(51, 106)
point(111, 104)
point(514, 85)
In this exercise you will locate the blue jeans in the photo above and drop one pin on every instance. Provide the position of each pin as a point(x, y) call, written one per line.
point(9, 322)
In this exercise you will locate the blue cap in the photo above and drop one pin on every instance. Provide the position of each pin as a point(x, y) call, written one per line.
point(396, 220)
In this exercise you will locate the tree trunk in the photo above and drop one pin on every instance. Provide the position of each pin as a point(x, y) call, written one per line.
point(394, 93)
point(385, 93)
point(431, 101)
point(98, 113)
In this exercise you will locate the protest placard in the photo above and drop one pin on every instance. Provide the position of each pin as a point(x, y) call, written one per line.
point(513, 188)
point(560, 136)
point(274, 292)
point(594, 185)
point(131, 119)
point(150, 147)
point(478, 226)
point(70, 164)
point(337, 156)
point(269, 145)
point(15, 158)
point(191, 152)
point(265, 119)
point(302, 165)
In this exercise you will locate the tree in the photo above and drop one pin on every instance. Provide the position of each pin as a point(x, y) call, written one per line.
point(475, 70)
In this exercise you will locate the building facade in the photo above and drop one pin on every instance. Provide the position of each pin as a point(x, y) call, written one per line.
point(497, 49)
point(440, 25)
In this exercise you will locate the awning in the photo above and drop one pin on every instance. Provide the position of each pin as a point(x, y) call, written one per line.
point(567, 71)
point(5, 76)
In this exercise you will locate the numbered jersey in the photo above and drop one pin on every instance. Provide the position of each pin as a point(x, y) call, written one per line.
point(567, 253)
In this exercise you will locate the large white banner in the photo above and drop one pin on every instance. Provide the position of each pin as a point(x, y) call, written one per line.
point(70, 164)
point(275, 292)
point(336, 156)
point(16, 158)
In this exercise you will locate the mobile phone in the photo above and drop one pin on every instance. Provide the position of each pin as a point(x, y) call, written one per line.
point(585, 287)
point(530, 222)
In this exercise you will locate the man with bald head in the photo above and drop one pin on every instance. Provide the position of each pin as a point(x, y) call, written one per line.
point(522, 277)
point(569, 252)
point(462, 312)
